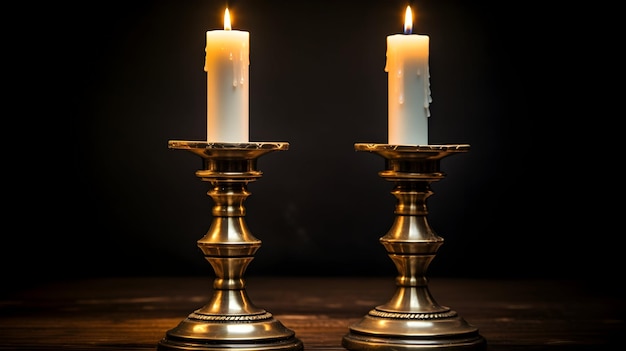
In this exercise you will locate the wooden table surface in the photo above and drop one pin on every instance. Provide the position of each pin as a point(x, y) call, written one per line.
point(135, 313)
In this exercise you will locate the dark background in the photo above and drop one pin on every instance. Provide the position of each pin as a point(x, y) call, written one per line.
point(98, 88)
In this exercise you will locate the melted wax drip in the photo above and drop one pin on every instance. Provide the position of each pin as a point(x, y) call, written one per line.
point(239, 67)
point(427, 97)
point(400, 87)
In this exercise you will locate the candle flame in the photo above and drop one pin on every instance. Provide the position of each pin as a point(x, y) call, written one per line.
point(227, 20)
point(408, 21)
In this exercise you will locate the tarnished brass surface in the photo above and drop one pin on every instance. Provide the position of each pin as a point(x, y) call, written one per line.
point(412, 319)
point(230, 321)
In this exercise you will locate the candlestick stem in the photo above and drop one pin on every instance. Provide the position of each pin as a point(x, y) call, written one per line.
point(230, 321)
point(412, 319)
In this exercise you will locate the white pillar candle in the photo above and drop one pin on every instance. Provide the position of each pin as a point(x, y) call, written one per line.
point(409, 86)
point(227, 65)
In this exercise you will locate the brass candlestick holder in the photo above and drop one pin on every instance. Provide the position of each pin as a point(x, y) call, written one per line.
point(412, 319)
point(230, 321)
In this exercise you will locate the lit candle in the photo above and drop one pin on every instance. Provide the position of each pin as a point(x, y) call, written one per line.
point(227, 65)
point(409, 86)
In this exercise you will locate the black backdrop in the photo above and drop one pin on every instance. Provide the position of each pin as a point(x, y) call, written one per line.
point(102, 86)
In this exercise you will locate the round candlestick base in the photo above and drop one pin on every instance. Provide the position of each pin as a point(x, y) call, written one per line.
point(412, 319)
point(230, 321)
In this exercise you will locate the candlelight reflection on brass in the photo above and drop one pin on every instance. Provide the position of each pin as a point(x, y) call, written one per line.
point(412, 319)
point(230, 321)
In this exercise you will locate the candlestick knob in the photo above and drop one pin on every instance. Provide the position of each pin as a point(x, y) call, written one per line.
point(412, 319)
point(230, 321)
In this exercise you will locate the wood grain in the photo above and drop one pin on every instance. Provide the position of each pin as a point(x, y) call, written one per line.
point(135, 313)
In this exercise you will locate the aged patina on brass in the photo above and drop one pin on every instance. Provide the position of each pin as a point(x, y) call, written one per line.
point(230, 321)
point(412, 319)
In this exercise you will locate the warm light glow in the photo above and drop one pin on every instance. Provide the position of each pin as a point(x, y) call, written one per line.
point(227, 20)
point(408, 21)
